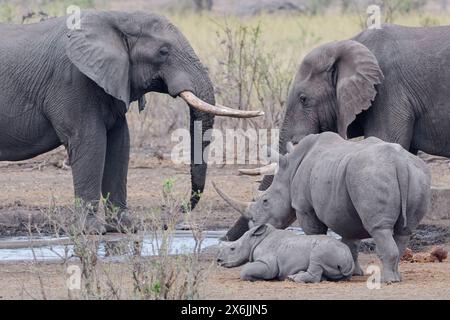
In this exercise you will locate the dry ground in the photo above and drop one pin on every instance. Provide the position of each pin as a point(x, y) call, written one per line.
point(421, 281)
point(28, 187)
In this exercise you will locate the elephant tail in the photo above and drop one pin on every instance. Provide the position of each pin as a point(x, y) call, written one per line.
point(403, 183)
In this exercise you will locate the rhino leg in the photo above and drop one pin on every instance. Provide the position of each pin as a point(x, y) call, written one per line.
point(402, 242)
point(312, 275)
point(257, 270)
point(389, 254)
point(353, 245)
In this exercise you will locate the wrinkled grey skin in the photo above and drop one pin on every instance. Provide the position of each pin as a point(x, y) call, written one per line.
point(404, 70)
point(73, 88)
point(281, 254)
point(364, 189)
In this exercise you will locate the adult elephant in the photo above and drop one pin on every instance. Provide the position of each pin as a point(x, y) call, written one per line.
point(392, 83)
point(72, 87)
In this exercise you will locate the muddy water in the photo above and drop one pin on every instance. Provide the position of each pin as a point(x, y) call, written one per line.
point(110, 247)
point(54, 249)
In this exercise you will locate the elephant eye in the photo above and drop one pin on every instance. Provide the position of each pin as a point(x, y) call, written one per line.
point(164, 51)
point(303, 99)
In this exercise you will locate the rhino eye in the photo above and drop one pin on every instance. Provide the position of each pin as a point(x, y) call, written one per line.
point(232, 249)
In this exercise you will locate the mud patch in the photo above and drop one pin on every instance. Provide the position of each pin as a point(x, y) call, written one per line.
point(429, 235)
point(426, 235)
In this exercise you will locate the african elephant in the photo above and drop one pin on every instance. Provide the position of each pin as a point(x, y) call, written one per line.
point(73, 87)
point(391, 83)
point(282, 254)
point(358, 189)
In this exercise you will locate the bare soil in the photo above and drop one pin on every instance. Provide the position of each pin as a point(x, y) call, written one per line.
point(420, 281)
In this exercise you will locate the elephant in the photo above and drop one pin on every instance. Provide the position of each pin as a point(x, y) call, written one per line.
point(73, 87)
point(391, 83)
point(284, 255)
point(358, 189)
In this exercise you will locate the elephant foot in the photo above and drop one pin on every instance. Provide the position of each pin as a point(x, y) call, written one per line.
point(94, 226)
point(121, 223)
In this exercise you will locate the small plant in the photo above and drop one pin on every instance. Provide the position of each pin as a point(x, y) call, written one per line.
point(148, 268)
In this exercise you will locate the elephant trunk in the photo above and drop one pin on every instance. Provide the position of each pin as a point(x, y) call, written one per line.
point(200, 122)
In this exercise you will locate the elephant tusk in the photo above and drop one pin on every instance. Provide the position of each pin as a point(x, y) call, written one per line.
point(240, 206)
point(217, 110)
point(270, 169)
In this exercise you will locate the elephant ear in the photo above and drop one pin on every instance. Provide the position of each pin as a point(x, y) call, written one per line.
point(356, 73)
point(99, 49)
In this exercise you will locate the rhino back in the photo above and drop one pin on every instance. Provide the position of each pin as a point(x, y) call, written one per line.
point(342, 181)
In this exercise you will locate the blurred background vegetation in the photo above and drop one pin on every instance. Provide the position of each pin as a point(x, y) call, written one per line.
point(252, 48)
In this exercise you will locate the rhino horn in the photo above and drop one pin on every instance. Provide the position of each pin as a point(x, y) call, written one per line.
point(241, 206)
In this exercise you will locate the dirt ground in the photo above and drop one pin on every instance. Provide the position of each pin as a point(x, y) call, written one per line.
point(420, 281)
point(29, 187)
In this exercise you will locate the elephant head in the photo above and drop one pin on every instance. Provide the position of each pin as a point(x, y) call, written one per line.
point(130, 54)
point(335, 83)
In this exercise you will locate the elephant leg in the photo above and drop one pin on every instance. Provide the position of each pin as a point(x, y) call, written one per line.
point(353, 245)
point(310, 224)
point(114, 183)
point(240, 227)
point(388, 253)
point(86, 150)
point(257, 270)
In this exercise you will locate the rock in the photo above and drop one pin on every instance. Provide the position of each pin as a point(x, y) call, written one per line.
point(440, 204)
point(439, 253)
point(408, 255)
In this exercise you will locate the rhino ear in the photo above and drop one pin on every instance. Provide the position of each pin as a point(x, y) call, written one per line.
point(355, 73)
point(99, 49)
point(260, 230)
point(275, 157)
point(290, 147)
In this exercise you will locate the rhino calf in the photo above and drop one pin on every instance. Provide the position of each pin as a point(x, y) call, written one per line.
point(281, 254)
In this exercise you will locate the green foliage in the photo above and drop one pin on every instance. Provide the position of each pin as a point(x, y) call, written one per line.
point(428, 21)
point(156, 288)
point(168, 185)
point(6, 13)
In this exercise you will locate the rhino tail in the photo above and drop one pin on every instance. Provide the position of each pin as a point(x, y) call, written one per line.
point(403, 183)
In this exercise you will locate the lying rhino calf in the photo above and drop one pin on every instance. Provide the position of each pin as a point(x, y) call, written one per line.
point(281, 254)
